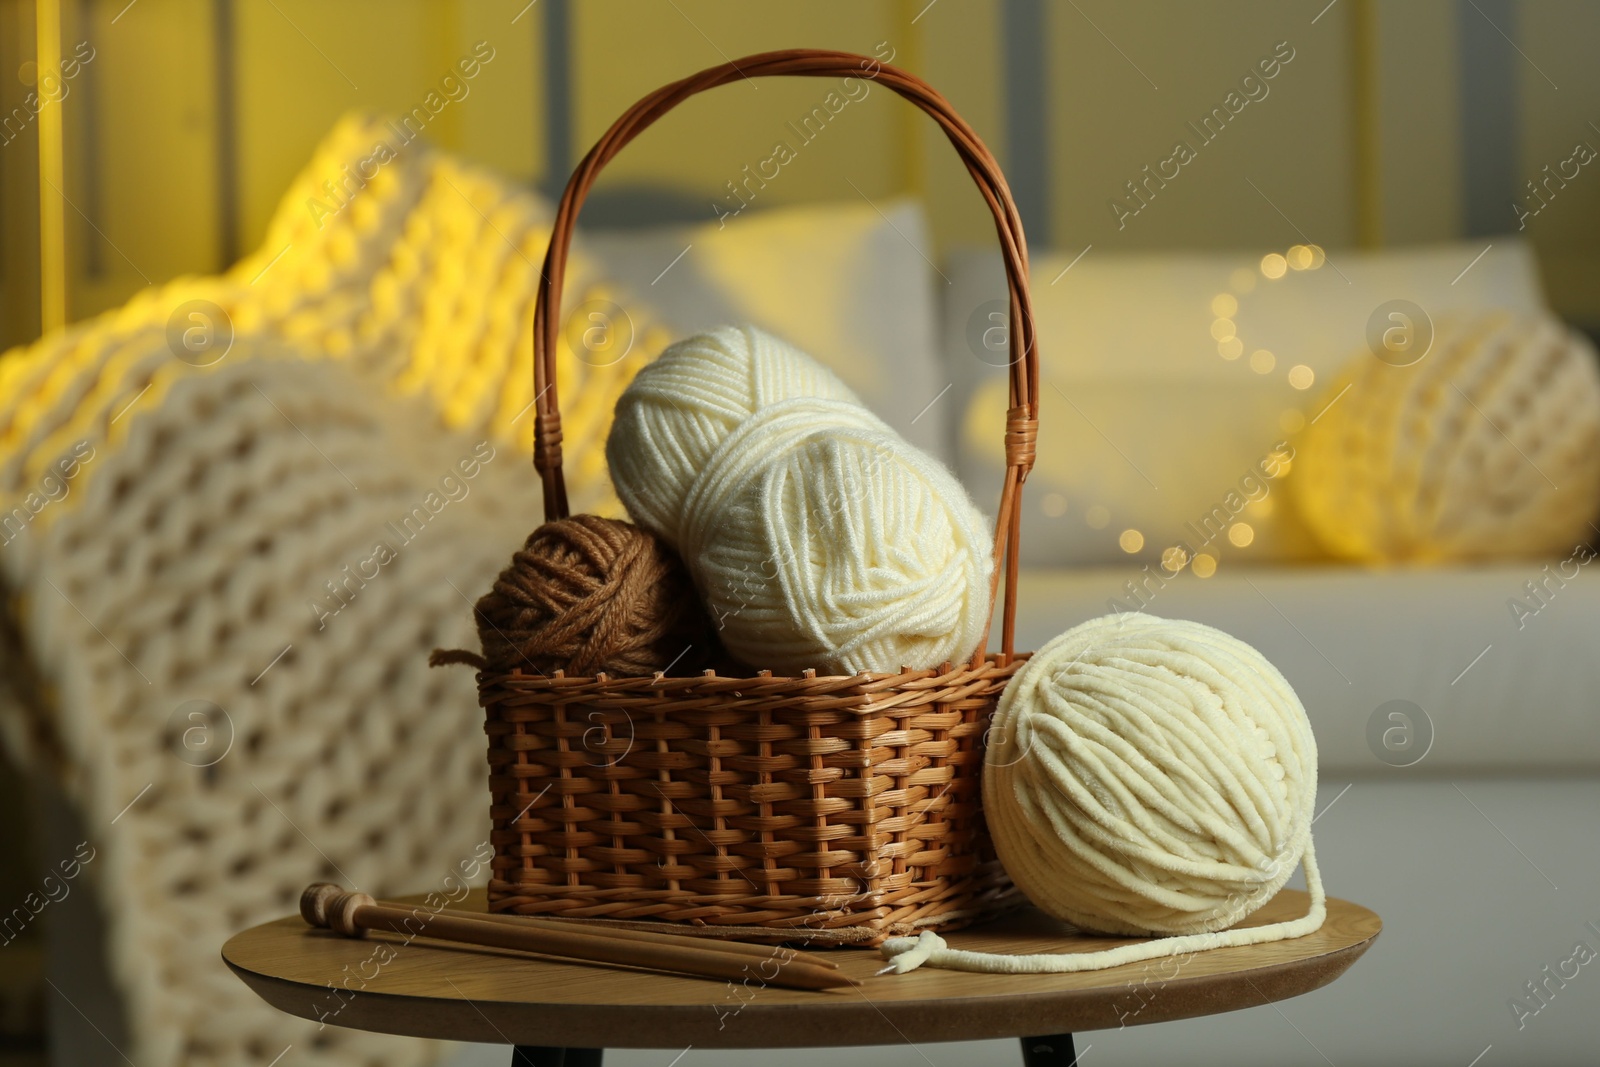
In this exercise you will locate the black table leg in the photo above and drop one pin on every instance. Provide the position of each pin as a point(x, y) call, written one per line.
point(1053, 1051)
point(545, 1056)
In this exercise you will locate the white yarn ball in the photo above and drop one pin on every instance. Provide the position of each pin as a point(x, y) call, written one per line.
point(1487, 446)
point(1149, 776)
point(682, 406)
point(819, 538)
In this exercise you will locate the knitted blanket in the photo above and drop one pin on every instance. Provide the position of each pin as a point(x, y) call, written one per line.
point(228, 543)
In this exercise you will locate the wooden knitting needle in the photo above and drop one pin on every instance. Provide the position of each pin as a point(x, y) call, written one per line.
point(738, 948)
point(325, 891)
point(352, 914)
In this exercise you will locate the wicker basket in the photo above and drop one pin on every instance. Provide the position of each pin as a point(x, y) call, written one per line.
point(832, 809)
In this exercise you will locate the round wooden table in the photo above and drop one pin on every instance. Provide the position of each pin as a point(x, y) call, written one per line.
point(563, 1014)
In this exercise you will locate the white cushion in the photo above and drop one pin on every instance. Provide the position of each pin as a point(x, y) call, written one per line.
point(846, 283)
point(1140, 414)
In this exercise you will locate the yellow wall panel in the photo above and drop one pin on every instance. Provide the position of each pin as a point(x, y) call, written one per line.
point(1557, 39)
point(502, 123)
point(1127, 79)
point(1416, 98)
point(303, 63)
point(19, 187)
point(141, 149)
point(958, 50)
point(623, 49)
point(1558, 83)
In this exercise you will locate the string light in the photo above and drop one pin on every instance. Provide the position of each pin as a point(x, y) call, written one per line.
point(1224, 330)
point(1300, 257)
point(1204, 566)
point(1224, 306)
point(1262, 361)
point(1131, 541)
point(1302, 376)
point(1232, 348)
point(1173, 559)
point(1241, 534)
point(1273, 265)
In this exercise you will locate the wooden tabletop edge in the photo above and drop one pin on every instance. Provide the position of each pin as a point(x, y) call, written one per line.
point(824, 1019)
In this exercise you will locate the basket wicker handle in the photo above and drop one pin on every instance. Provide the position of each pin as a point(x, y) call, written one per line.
point(1022, 415)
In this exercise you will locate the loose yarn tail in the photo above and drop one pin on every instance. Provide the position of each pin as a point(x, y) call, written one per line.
point(908, 953)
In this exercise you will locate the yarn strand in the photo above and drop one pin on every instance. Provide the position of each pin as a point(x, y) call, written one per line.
point(929, 949)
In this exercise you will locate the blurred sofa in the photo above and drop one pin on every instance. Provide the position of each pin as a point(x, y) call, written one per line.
point(401, 338)
point(1459, 741)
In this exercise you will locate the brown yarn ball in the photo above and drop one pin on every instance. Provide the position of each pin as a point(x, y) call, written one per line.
point(587, 595)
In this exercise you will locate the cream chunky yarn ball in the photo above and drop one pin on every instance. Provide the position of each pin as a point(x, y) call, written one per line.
point(1487, 446)
point(679, 408)
point(819, 538)
point(1146, 776)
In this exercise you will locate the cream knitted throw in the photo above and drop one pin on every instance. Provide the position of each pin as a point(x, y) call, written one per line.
point(219, 541)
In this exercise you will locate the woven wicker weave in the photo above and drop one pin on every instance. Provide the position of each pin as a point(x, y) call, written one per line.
point(842, 809)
